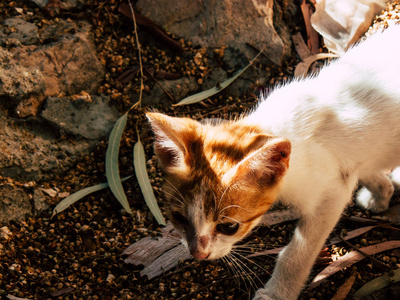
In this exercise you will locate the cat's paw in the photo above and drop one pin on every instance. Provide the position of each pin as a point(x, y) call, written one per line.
point(262, 294)
point(366, 200)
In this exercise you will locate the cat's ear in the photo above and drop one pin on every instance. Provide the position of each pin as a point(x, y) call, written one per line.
point(172, 137)
point(264, 166)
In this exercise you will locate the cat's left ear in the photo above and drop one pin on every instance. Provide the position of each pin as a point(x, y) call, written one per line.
point(172, 139)
point(265, 166)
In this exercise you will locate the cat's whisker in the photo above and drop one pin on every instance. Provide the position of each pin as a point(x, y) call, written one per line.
point(247, 270)
point(172, 186)
point(241, 272)
point(222, 196)
point(175, 198)
point(229, 206)
point(231, 219)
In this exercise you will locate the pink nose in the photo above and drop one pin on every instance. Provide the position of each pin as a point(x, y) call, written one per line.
point(200, 255)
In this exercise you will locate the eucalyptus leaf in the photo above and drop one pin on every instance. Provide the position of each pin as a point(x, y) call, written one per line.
point(71, 199)
point(378, 283)
point(112, 169)
point(216, 89)
point(139, 161)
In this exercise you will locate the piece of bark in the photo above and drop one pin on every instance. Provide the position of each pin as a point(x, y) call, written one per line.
point(148, 249)
point(167, 261)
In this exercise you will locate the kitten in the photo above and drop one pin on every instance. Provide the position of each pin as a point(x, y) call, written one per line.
point(307, 144)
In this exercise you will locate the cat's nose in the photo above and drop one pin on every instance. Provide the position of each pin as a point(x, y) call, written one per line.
point(200, 254)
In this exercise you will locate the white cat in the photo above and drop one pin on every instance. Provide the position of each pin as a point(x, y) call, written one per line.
point(344, 126)
point(338, 128)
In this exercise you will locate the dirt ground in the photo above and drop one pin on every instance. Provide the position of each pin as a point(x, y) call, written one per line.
point(77, 253)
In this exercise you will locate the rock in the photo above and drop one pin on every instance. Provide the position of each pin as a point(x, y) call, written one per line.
point(25, 32)
point(30, 151)
point(214, 24)
point(39, 201)
point(14, 203)
point(67, 65)
point(92, 119)
point(17, 81)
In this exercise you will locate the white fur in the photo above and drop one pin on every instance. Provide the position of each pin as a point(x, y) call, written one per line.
point(344, 125)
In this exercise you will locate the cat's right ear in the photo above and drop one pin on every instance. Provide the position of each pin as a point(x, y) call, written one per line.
point(172, 137)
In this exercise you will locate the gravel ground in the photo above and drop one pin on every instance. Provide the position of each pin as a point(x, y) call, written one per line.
point(76, 254)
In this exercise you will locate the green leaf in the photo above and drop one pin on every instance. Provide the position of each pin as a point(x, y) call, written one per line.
point(378, 283)
point(112, 170)
point(71, 199)
point(139, 161)
point(211, 92)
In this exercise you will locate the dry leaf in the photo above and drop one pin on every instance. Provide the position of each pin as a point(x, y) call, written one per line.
point(351, 258)
point(351, 234)
point(323, 258)
point(393, 214)
point(301, 47)
point(303, 67)
point(345, 288)
point(151, 27)
point(276, 217)
point(312, 34)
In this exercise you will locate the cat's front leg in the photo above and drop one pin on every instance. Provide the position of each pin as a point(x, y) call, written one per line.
point(296, 260)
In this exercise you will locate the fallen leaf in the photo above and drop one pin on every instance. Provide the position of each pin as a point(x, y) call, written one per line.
point(277, 217)
point(300, 46)
point(351, 234)
point(378, 283)
point(267, 252)
point(345, 288)
point(351, 258)
point(61, 292)
point(216, 89)
point(139, 162)
point(112, 166)
point(323, 258)
point(393, 215)
point(312, 34)
point(302, 68)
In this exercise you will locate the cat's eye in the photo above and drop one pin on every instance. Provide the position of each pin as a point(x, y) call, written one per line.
point(227, 228)
point(180, 218)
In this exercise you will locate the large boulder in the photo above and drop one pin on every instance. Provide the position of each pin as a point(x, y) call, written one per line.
point(214, 24)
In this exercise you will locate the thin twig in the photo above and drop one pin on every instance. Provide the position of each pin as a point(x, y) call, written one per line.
point(139, 103)
point(165, 91)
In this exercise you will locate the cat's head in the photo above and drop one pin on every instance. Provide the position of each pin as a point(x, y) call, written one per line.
point(220, 179)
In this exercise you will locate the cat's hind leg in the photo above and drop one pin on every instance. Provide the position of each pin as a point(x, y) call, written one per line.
point(376, 192)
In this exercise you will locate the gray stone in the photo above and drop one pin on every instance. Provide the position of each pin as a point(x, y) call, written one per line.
point(91, 118)
point(214, 24)
point(23, 31)
point(14, 203)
